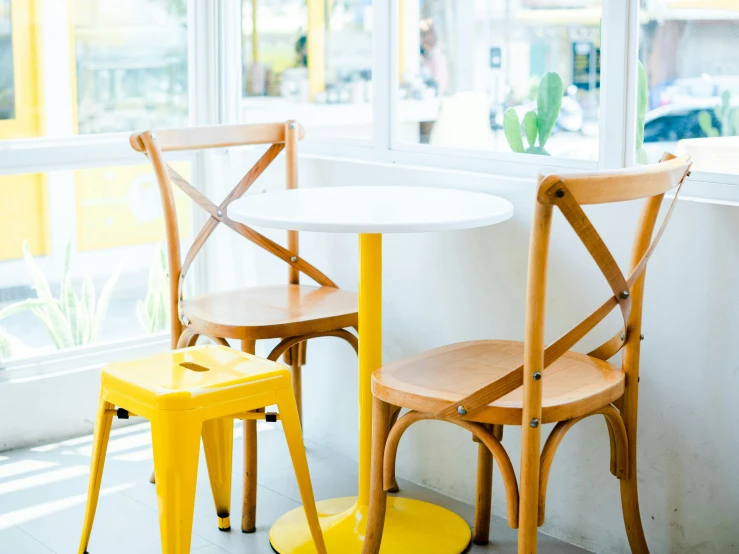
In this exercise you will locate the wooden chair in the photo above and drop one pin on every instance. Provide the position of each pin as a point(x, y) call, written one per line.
point(483, 385)
point(292, 312)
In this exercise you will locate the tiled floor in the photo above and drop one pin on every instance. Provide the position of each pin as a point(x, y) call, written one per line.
point(42, 498)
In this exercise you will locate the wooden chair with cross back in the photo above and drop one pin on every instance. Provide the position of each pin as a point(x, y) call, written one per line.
point(291, 312)
point(483, 385)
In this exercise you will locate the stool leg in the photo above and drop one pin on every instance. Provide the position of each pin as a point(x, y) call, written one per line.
point(294, 436)
point(103, 422)
point(176, 440)
point(218, 442)
point(249, 508)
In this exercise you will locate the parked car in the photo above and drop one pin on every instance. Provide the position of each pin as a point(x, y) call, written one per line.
point(679, 120)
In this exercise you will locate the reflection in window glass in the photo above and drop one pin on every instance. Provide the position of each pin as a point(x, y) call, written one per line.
point(131, 60)
point(690, 54)
point(7, 87)
point(310, 61)
point(464, 64)
point(86, 266)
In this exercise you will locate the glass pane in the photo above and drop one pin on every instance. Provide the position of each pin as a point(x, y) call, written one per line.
point(7, 87)
point(689, 53)
point(131, 64)
point(309, 61)
point(108, 66)
point(465, 65)
point(84, 261)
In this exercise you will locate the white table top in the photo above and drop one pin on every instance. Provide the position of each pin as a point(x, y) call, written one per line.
point(388, 209)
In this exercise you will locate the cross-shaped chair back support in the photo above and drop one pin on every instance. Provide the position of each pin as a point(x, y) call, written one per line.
point(280, 136)
point(569, 193)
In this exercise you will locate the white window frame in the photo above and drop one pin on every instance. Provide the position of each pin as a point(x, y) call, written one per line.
point(215, 74)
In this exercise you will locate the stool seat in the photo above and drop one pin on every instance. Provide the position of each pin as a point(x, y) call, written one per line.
point(191, 395)
point(194, 377)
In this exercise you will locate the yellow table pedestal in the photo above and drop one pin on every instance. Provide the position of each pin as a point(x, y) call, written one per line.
point(411, 527)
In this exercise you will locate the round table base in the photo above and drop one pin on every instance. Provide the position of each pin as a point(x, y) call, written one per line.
point(410, 526)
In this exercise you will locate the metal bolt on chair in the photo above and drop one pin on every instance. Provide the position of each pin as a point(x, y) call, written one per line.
point(483, 385)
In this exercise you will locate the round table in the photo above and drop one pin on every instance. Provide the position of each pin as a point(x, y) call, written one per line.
point(410, 525)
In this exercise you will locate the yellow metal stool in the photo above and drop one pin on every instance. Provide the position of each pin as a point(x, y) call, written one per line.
point(186, 394)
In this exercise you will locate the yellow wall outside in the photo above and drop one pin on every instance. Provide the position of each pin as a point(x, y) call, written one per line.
point(120, 206)
point(23, 214)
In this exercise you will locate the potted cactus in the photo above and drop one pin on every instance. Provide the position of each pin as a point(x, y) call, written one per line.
point(727, 116)
point(536, 124)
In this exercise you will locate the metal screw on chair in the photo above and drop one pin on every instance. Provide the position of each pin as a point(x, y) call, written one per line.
point(537, 376)
point(625, 294)
point(461, 410)
point(153, 136)
point(641, 337)
point(292, 125)
point(560, 193)
point(185, 321)
point(534, 423)
point(294, 259)
point(219, 213)
point(623, 336)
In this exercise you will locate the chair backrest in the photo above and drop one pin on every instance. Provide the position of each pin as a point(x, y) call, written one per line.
point(569, 192)
point(280, 136)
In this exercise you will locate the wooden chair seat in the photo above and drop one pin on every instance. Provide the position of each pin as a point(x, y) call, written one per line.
point(271, 311)
point(575, 384)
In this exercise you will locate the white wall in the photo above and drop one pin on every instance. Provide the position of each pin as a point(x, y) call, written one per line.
point(446, 287)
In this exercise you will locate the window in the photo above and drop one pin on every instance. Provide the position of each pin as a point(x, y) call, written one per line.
point(130, 64)
point(92, 66)
point(7, 88)
point(310, 61)
point(690, 57)
point(464, 85)
point(520, 76)
point(82, 261)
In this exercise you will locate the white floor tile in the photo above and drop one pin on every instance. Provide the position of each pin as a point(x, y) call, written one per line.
point(43, 494)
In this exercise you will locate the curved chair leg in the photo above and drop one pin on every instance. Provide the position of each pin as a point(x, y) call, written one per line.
point(484, 497)
point(249, 509)
point(391, 484)
point(218, 441)
point(629, 487)
point(296, 372)
point(378, 496)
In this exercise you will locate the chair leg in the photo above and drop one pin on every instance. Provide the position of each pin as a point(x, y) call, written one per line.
point(249, 508)
point(218, 438)
point(296, 372)
point(389, 469)
point(629, 487)
point(378, 496)
point(294, 436)
point(103, 422)
point(528, 518)
point(176, 441)
point(187, 338)
point(483, 504)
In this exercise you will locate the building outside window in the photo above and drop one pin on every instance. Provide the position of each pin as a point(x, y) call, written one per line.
point(310, 61)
